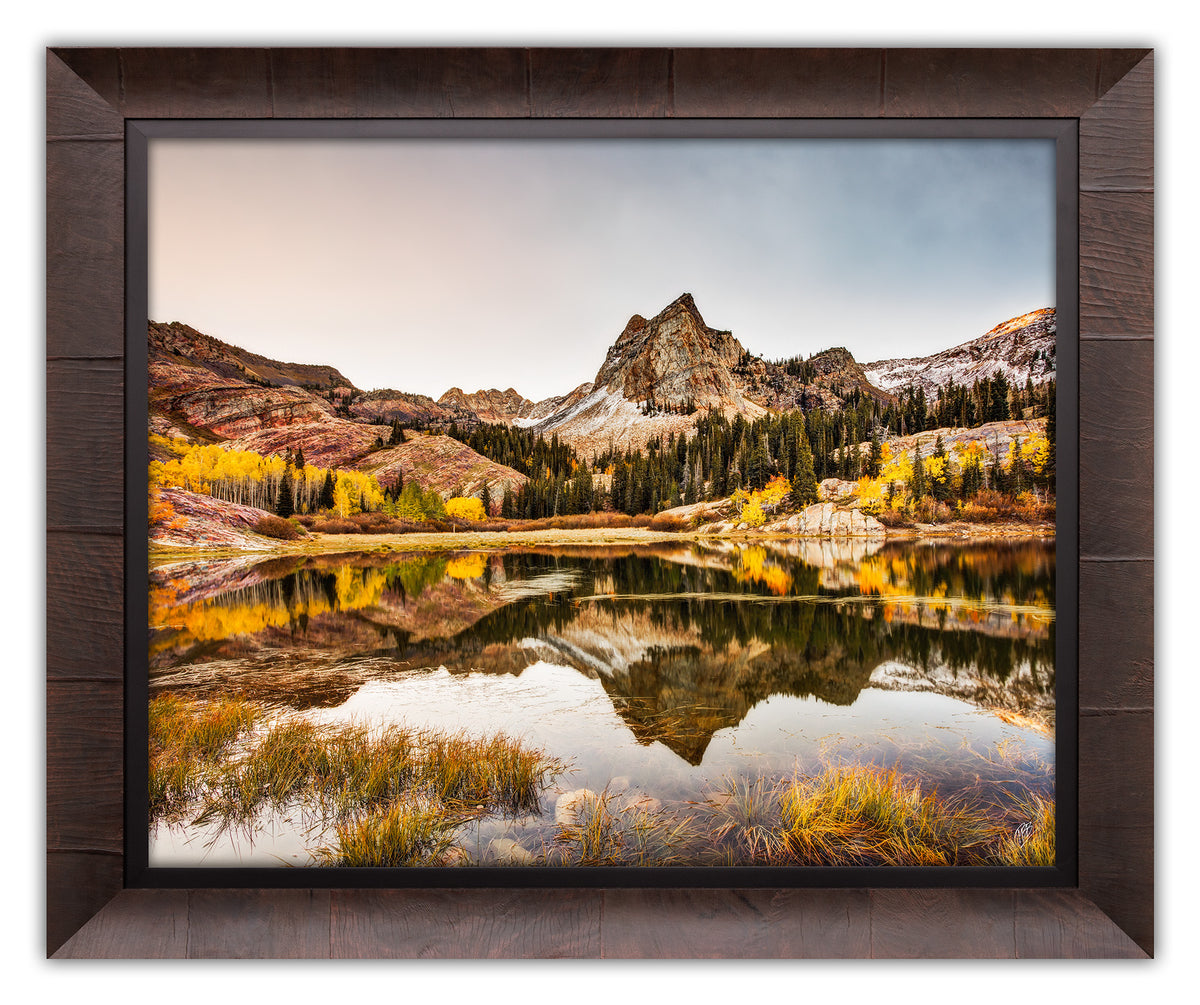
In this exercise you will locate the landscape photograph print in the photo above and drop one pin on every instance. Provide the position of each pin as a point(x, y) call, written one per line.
point(567, 503)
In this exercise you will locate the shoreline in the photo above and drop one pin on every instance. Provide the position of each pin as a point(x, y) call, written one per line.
point(485, 540)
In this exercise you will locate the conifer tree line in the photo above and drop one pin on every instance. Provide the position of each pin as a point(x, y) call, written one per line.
point(728, 454)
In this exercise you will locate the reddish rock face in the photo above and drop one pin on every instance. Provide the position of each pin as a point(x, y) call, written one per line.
point(226, 407)
point(672, 359)
point(330, 443)
point(440, 463)
point(200, 521)
point(387, 405)
point(491, 405)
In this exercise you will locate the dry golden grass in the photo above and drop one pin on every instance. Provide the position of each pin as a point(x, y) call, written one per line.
point(403, 834)
point(867, 816)
point(188, 740)
point(1031, 843)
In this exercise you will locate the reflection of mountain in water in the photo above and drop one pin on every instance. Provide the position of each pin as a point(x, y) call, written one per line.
point(684, 641)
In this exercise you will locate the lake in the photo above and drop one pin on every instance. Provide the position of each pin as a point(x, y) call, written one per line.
point(683, 685)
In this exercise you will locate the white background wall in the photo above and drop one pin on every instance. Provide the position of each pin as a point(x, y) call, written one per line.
point(617, 22)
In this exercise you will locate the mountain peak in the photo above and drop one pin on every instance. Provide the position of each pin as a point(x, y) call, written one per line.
point(683, 302)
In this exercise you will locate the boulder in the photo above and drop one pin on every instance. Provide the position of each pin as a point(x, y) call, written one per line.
point(827, 520)
point(507, 850)
point(566, 808)
point(833, 489)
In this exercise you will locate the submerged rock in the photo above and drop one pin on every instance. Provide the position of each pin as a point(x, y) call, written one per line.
point(566, 809)
point(507, 850)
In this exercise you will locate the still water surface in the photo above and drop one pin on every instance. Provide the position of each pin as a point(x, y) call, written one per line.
point(657, 673)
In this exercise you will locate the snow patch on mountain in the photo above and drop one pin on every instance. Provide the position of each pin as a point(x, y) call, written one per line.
point(1021, 348)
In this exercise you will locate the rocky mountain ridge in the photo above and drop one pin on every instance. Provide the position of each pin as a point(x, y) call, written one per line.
point(492, 405)
point(663, 371)
point(658, 377)
point(202, 390)
point(1021, 348)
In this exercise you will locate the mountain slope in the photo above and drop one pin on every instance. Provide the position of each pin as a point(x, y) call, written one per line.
point(1021, 348)
point(443, 464)
point(660, 372)
point(204, 390)
point(490, 406)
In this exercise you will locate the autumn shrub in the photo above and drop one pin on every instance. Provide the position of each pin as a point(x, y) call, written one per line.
point(279, 528)
point(752, 514)
point(1029, 507)
point(929, 510)
point(667, 522)
point(893, 518)
point(598, 520)
point(334, 525)
point(641, 520)
point(372, 523)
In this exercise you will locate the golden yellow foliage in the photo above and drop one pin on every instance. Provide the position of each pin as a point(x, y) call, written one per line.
point(872, 494)
point(249, 478)
point(752, 514)
point(465, 508)
point(466, 566)
point(775, 491)
point(752, 567)
point(1036, 452)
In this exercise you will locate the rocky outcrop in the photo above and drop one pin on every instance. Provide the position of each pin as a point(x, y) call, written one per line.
point(1021, 348)
point(992, 434)
point(828, 520)
point(331, 443)
point(386, 405)
point(189, 520)
point(490, 406)
point(833, 489)
point(443, 464)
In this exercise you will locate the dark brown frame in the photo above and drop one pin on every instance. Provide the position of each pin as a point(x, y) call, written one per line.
point(90, 95)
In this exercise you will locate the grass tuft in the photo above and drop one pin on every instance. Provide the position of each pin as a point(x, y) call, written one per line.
point(868, 816)
point(188, 742)
point(1031, 843)
point(404, 834)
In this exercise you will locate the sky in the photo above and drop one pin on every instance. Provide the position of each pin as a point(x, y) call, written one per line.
point(1164, 24)
point(478, 263)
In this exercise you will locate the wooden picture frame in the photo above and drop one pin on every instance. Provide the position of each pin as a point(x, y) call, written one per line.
point(91, 93)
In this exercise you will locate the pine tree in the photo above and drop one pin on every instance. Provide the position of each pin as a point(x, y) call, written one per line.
point(327, 491)
point(284, 505)
point(485, 497)
point(804, 483)
point(875, 457)
point(299, 459)
point(917, 488)
point(756, 474)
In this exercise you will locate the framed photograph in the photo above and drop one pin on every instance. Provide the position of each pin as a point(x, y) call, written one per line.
point(581, 488)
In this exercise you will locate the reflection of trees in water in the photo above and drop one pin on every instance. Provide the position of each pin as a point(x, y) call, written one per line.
point(705, 641)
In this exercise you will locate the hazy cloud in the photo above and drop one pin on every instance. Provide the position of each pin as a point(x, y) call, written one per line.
point(419, 264)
